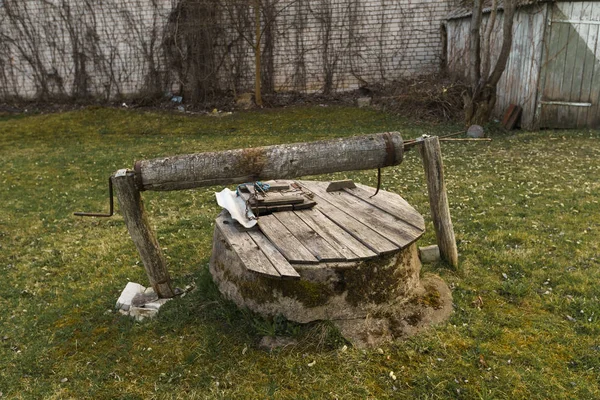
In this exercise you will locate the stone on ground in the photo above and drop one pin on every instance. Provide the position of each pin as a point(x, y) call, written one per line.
point(127, 295)
point(273, 342)
point(475, 132)
point(363, 102)
point(139, 302)
point(429, 254)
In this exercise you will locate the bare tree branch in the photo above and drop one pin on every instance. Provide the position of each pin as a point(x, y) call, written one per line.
point(475, 52)
point(507, 39)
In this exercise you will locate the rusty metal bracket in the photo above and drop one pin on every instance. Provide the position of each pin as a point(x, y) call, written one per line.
point(137, 168)
point(111, 205)
point(390, 151)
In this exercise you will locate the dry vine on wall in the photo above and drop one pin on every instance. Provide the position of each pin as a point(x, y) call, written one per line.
point(64, 49)
point(202, 49)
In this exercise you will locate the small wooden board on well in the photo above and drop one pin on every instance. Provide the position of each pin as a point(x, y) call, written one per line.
point(279, 197)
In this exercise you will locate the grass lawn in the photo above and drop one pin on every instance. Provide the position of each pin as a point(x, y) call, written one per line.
point(525, 209)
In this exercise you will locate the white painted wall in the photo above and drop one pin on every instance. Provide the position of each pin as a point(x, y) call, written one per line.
point(370, 41)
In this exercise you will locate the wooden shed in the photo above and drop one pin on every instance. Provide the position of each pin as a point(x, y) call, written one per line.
point(554, 67)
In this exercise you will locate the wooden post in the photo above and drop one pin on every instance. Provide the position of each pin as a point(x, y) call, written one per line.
point(142, 234)
point(431, 153)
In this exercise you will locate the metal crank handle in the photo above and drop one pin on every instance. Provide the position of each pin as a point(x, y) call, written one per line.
point(111, 205)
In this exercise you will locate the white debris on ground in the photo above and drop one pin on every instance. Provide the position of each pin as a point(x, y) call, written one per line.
point(363, 102)
point(139, 302)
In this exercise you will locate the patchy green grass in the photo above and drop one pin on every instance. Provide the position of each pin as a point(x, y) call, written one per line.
point(526, 322)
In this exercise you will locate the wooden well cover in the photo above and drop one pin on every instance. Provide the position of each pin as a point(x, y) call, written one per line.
point(344, 225)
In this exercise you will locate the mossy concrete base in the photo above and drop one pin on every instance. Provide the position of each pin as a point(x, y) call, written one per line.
point(370, 301)
point(430, 305)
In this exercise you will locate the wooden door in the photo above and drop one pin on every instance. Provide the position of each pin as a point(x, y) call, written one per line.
point(570, 87)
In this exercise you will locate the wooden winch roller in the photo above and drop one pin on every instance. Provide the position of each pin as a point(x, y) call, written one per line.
point(270, 162)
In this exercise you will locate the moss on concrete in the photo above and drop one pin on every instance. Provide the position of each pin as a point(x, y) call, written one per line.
point(431, 298)
point(311, 294)
point(263, 290)
point(379, 280)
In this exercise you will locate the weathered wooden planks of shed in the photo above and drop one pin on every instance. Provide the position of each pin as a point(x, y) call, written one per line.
point(554, 67)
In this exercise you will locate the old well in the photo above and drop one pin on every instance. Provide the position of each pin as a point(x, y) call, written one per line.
point(351, 259)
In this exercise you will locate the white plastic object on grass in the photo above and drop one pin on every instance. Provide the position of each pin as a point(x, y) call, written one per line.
point(237, 207)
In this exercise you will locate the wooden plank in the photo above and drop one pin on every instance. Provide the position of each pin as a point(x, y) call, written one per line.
point(525, 67)
point(282, 265)
point(304, 206)
point(593, 118)
point(392, 204)
point(285, 241)
point(317, 245)
point(243, 245)
point(263, 210)
point(249, 188)
point(556, 46)
point(580, 79)
point(142, 234)
point(244, 195)
point(511, 116)
point(565, 112)
point(339, 185)
point(338, 238)
point(531, 70)
point(540, 63)
point(274, 186)
point(590, 63)
point(394, 229)
point(579, 45)
point(356, 228)
point(515, 61)
point(277, 185)
point(276, 199)
point(438, 199)
point(363, 233)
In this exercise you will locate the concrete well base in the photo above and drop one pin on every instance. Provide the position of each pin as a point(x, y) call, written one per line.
point(371, 301)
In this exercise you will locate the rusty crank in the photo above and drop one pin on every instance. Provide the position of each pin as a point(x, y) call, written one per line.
point(111, 205)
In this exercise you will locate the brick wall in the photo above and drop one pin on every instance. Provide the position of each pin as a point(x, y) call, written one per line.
point(112, 48)
point(74, 48)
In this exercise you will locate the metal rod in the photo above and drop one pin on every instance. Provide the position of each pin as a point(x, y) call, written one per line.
point(378, 182)
point(565, 103)
point(466, 140)
point(413, 142)
point(111, 205)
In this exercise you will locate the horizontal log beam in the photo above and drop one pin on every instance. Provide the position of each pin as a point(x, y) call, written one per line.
point(271, 162)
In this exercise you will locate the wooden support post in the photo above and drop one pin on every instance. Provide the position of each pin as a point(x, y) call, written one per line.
point(431, 153)
point(132, 208)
